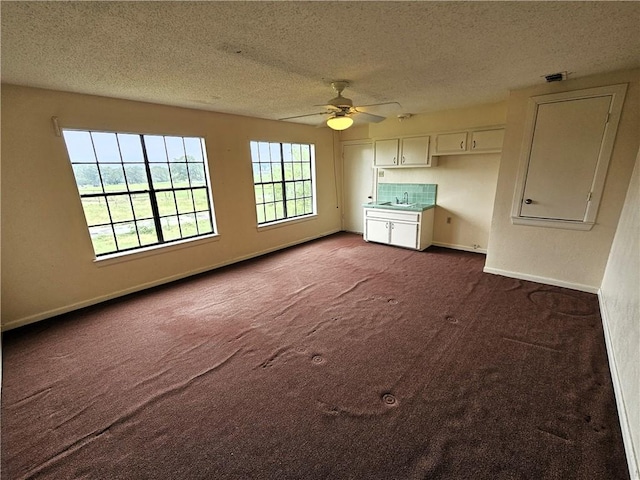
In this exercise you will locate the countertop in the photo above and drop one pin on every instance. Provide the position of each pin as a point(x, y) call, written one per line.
point(412, 207)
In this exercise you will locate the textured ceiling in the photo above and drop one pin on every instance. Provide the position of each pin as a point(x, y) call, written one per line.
point(277, 59)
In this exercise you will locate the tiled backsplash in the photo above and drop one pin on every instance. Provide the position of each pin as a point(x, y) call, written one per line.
point(418, 192)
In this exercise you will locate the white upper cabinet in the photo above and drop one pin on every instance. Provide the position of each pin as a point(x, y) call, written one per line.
point(415, 151)
point(421, 151)
point(487, 140)
point(402, 152)
point(451, 143)
point(568, 142)
point(386, 153)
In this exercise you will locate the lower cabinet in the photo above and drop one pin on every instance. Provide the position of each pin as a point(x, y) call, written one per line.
point(402, 229)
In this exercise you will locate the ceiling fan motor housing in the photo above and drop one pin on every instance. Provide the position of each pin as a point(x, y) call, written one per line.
point(341, 102)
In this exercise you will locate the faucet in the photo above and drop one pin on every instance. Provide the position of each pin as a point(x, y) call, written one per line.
point(405, 198)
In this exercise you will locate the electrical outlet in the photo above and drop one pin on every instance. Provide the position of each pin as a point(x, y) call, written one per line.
point(476, 246)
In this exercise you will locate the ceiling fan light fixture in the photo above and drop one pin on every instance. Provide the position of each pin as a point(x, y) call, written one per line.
point(341, 122)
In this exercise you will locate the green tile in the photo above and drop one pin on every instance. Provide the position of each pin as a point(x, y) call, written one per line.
point(418, 192)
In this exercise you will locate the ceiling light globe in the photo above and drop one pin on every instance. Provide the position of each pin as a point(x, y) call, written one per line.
point(339, 123)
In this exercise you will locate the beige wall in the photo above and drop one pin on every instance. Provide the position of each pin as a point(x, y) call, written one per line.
point(570, 258)
point(47, 257)
point(620, 302)
point(466, 183)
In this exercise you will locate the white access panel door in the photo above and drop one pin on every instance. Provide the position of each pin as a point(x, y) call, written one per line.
point(566, 146)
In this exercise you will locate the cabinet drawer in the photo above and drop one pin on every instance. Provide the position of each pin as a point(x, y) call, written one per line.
point(392, 215)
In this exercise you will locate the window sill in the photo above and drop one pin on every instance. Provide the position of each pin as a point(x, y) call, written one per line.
point(289, 221)
point(550, 223)
point(115, 258)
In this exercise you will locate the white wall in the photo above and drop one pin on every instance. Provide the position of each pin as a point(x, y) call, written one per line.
point(47, 258)
point(570, 258)
point(620, 306)
point(466, 183)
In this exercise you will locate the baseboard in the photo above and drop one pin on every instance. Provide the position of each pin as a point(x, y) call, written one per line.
point(103, 298)
point(545, 280)
point(465, 248)
point(632, 459)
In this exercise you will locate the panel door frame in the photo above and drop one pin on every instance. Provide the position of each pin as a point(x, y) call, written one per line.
point(617, 94)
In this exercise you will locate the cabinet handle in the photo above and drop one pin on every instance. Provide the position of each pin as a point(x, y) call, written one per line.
point(528, 201)
point(462, 145)
point(474, 144)
point(403, 159)
point(386, 224)
point(391, 224)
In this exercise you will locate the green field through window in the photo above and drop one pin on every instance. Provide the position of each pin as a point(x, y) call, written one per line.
point(283, 180)
point(140, 190)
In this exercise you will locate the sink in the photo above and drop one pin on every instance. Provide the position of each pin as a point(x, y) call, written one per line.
point(393, 204)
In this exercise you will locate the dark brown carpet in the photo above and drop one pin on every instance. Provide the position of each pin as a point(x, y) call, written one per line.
point(336, 359)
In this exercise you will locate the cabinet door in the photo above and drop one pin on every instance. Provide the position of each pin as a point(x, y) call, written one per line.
point(377, 230)
point(404, 234)
point(487, 140)
point(386, 152)
point(415, 151)
point(451, 143)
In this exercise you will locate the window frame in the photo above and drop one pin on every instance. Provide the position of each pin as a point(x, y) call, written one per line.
point(310, 208)
point(151, 192)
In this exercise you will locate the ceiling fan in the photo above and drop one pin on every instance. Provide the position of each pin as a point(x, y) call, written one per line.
point(341, 110)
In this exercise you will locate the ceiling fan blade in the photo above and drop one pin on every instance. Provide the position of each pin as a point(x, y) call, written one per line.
point(379, 104)
point(307, 115)
point(370, 117)
point(330, 108)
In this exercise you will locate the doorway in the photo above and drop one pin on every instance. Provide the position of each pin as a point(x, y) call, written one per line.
point(358, 183)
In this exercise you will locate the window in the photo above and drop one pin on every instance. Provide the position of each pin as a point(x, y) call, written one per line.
point(140, 190)
point(283, 180)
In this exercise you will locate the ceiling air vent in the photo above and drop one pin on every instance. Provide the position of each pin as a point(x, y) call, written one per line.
point(556, 77)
